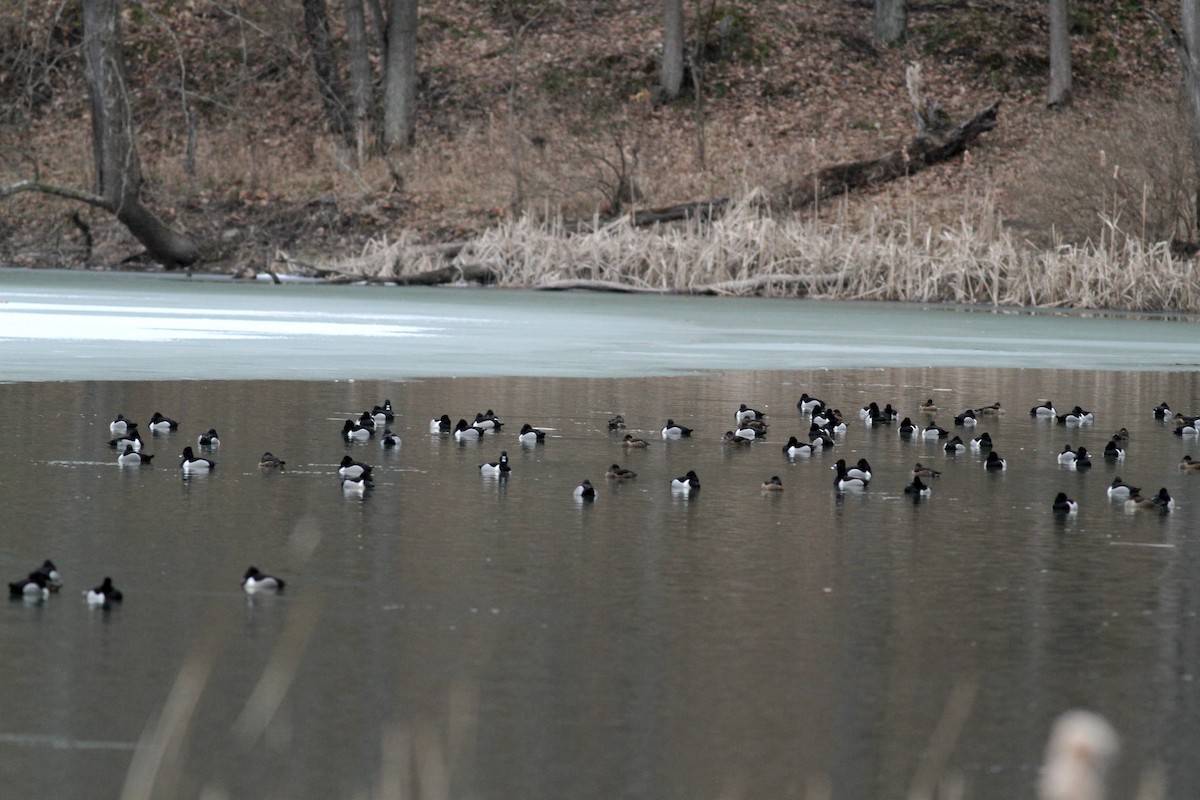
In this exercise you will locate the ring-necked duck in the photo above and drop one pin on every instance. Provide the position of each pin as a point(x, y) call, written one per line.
point(269, 461)
point(530, 434)
point(1044, 409)
point(843, 480)
point(190, 463)
point(918, 488)
point(488, 421)
point(618, 473)
point(688, 482)
point(1064, 505)
point(1119, 489)
point(255, 581)
point(966, 419)
point(795, 447)
point(49, 573)
point(1076, 416)
point(672, 430)
point(161, 424)
point(745, 413)
point(922, 471)
point(808, 404)
point(1082, 460)
point(349, 468)
point(31, 587)
point(356, 432)
point(496, 468)
point(133, 458)
point(133, 440)
point(383, 415)
point(104, 595)
point(465, 432)
point(1161, 502)
point(932, 431)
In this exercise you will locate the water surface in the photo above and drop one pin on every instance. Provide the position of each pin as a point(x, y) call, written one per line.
point(727, 643)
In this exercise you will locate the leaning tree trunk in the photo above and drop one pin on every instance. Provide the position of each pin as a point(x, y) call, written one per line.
point(114, 149)
point(935, 141)
point(400, 75)
point(1060, 55)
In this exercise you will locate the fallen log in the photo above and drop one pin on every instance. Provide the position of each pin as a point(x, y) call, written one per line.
point(744, 285)
point(454, 273)
point(918, 153)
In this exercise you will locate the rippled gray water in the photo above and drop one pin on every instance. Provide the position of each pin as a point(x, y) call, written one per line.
point(727, 644)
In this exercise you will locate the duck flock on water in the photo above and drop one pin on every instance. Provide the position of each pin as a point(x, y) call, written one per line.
point(749, 428)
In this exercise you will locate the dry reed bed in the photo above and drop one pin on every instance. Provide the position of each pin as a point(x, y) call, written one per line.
point(751, 251)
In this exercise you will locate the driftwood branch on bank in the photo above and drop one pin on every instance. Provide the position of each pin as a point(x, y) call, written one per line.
point(806, 282)
point(596, 286)
point(703, 210)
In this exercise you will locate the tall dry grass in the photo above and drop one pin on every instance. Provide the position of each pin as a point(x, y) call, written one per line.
point(869, 255)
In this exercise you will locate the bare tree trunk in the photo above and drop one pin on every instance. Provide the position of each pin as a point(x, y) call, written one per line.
point(316, 29)
point(1060, 55)
point(1187, 47)
point(378, 27)
point(891, 18)
point(114, 149)
point(671, 77)
point(400, 75)
point(703, 23)
point(361, 92)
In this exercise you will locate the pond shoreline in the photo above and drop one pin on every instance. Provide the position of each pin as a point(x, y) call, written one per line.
point(751, 251)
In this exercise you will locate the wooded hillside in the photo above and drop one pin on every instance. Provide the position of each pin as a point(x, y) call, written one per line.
point(539, 108)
